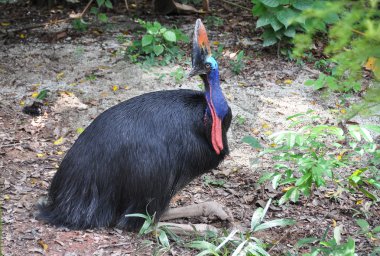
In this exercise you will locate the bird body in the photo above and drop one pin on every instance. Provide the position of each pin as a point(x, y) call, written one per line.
point(135, 156)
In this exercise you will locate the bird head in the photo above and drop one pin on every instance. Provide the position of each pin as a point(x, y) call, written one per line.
point(201, 54)
point(205, 65)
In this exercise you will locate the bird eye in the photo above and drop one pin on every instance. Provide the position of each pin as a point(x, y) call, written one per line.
point(208, 66)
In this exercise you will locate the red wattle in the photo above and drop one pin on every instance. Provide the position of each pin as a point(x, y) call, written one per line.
point(216, 130)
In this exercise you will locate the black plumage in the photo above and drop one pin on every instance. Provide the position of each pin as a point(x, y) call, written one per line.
point(133, 158)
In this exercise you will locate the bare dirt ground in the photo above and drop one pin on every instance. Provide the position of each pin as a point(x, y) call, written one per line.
point(80, 73)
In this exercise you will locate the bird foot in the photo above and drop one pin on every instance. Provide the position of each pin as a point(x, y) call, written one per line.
point(206, 209)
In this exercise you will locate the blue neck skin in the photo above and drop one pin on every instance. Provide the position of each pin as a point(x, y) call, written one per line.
point(214, 92)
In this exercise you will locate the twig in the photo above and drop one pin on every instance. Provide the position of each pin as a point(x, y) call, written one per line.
point(237, 5)
point(277, 242)
point(11, 145)
point(85, 8)
point(115, 245)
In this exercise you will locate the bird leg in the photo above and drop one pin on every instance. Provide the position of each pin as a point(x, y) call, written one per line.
point(205, 209)
point(187, 229)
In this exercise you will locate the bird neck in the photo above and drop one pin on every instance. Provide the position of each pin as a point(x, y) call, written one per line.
point(214, 94)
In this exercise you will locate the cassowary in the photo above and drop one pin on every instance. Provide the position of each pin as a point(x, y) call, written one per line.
point(135, 156)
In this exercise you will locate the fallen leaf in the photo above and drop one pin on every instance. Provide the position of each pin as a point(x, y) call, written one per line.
point(60, 153)
point(371, 63)
point(40, 155)
point(22, 103)
point(34, 95)
point(43, 244)
point(115, 88)
point(7, 197)
point(288, 81)
point(5, 24)
point(265, 125)
point(59, 141)
point(268, 133)
point(333, 223)
point(359, 202)
point(80, 130)
point(60, 75)
point(286, 189)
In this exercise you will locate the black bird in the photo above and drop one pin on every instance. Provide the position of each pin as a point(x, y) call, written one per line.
point(137, 155)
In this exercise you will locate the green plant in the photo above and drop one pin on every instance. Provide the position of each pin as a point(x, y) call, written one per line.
point(281, 19)
point(365, 229)
point(241, 243)
point(157, 45)
point(332, 247)
point(214, 21)
point(238, 64)
point(161, 233)
point(178, 75)
point(96, 10)
point(353, 40)
point(240, 119)
point(308, 156)
point(217, 183)
point(79, 25)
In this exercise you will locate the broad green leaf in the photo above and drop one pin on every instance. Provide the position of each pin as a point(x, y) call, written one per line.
point(291, 32)
point(146, 40)
point(102, 17)
point(275, 223)
point(271, 3)
point(363, 224)
point(366, 135)
point(374, 128)
point(303, 179)
point(276, 25)
point(302, 4)
point(286, 16)
point(376, 229)
point(256, 218)
point(100, 2)
point(253, 142)
point(158, 49)
point(265, 19)
point(108, 4)
point(170, 36)
point(164, 239)
point(269, 38)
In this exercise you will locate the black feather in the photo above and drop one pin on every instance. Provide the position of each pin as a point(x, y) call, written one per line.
point(133, 158)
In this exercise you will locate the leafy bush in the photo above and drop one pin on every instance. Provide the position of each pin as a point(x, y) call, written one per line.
point(281, 19)
point(238, 243)
point(159, 45)
point(354, 42)
point(308, 156)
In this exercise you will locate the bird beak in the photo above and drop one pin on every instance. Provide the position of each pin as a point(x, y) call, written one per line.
point(201, 49)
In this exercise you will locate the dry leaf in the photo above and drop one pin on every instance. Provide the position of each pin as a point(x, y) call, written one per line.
point(43, 244)
point(60, 75)
point(287, 189)
point(59, 141)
